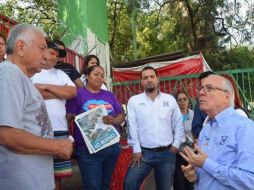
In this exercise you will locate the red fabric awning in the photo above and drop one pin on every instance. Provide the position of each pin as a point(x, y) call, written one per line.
point(184, 66)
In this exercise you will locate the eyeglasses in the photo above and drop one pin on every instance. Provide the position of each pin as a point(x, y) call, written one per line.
point(182, 99)
point(210, 88)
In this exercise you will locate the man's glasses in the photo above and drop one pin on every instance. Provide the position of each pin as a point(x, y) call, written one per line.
point(210, 88)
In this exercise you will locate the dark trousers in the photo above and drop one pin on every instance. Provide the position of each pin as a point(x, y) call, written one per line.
point(180, 182)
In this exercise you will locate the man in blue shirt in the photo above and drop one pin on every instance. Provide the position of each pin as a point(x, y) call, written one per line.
point(225, 151)
point(199, 116)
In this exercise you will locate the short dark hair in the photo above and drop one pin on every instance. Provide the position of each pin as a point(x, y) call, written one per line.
point(3, 37)
point(148, 68)
point(205, 74)
point(87, 59)
point(181, 92)
point(60, 43)
point(56, 46)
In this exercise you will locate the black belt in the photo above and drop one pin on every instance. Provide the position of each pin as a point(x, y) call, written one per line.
point(158, 149)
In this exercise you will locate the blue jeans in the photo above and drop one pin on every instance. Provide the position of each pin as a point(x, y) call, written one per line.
point(96, 169)
point(163, 164)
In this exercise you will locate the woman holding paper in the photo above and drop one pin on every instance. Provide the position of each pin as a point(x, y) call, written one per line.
point(97, 168)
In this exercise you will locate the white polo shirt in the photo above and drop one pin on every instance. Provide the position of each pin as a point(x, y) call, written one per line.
point(154, 123)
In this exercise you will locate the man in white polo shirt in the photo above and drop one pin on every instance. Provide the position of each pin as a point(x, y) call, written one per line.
point(56, 87)
point(155, 133)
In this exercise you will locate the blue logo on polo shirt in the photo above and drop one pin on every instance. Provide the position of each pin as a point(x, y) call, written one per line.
point(165, 104)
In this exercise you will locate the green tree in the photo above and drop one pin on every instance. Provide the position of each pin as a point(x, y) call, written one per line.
point(169, 25)
point(119, 30)
point(217, 27)
point(42, 13)
point(238, 57)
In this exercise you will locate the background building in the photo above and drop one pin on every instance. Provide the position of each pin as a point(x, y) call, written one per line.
point(85, 29)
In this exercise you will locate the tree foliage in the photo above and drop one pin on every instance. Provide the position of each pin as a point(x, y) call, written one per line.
point(42, 13)
point(235, 58)
point(189, 25)
point(120, 30)
point(222, 29)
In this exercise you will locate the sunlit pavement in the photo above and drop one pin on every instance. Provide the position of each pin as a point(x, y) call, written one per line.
point(75, 183)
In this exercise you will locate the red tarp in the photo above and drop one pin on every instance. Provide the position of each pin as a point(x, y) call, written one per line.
point(184, 66)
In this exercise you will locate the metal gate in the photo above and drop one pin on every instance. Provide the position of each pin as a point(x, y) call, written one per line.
point(244, 80)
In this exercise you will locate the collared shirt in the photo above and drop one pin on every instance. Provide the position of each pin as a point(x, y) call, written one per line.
point(198, 120)
point(154, 123)
point(229, 143)
point(187, 120)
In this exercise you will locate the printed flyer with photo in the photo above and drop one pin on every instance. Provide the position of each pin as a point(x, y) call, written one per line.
point(97, 135)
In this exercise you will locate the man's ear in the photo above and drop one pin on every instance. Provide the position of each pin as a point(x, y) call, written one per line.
point(19, 46)
point(228, 97)
point(142, 82)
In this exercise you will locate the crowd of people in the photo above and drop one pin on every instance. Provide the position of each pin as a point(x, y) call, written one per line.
point(207, 148)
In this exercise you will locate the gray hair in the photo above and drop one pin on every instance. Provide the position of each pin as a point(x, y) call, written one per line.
point(21, 32)
point(229, 87)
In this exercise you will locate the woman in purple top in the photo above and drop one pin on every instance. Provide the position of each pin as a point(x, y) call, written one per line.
point(96, 169)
